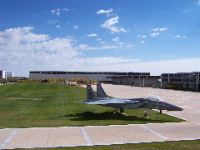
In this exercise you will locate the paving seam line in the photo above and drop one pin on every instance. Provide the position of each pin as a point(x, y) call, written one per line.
point(8, 139)
point(86, 136)
point(154, 132)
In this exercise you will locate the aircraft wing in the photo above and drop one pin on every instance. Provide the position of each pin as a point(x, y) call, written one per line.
point(110, 101)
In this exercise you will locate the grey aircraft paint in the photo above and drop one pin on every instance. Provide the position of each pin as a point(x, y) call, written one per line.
point(101, 98)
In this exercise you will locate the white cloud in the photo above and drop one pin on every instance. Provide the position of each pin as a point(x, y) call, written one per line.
point(99, 39)
point(163, 29)
point(58, 26)
point(103, 47)
point(180, 36)
point(75, 27)
point(65, 9)
point(52, 22)
point(198, 2)
point(142, 42)
point(154, 67)
point(115, 39)
point(154, 34)
point(22, 50)
point(56, 11)
point(159, 29)
point(92, 35)
point(142, 36)
point(96, 61)
point(104, 12)
point(111, 25)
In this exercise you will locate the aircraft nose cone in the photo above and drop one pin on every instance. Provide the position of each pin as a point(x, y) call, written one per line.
point(175, 108)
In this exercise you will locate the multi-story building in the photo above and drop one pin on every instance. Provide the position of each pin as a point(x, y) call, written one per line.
point(5, 75)
point(137, 80)
point(98, 76)
point(8, 75)
point(182, 80)
point(2, 74)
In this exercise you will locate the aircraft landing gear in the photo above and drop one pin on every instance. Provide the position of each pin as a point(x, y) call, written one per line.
point(160, 111)
point(121, 110)
point(146, 114)
point(115, 112)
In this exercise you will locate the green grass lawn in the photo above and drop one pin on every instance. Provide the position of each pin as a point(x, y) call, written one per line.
point(180, 145)
point(51, 105)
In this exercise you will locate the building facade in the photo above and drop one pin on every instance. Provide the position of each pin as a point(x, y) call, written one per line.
point(2, 74)
point(98, 76)
point(182, 81)
point(5, 75)
point(142, 81)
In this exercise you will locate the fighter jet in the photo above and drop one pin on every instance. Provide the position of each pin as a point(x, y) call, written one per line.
point(101, 98)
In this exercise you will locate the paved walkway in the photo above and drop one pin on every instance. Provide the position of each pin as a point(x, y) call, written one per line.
point(115, 134)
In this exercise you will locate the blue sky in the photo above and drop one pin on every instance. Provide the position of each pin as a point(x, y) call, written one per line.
point(100, 35)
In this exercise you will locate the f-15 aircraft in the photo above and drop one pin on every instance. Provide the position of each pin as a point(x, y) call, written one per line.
point(101, 98)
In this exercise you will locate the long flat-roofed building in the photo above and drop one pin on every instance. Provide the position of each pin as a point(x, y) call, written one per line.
point(98, 76)
point(181, 80)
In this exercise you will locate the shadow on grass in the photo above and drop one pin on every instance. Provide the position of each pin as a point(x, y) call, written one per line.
point(84, 116)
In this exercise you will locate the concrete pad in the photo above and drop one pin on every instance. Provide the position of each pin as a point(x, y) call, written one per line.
point(30, 137)
point(177, 131)
point(189, 115)
point(120, 134)
point(69, 136)
point(4, 134)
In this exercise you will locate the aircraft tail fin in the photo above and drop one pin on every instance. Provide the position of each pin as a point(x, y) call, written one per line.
point(90, 93)
point(100, 91)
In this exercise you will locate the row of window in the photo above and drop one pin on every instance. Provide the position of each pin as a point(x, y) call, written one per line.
point(181, 75)
point(107, 73)
point(179, 80)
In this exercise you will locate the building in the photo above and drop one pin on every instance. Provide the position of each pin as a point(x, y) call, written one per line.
point(137, 80)
point(2, 74)
point(182, 80)
point(8, 75)
point(98, 76)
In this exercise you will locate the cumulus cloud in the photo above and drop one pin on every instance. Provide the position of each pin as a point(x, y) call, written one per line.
point(56, 11)
point(104, 12)
point(155, 67)
point(159, 29)
point(142, 42)
point(103, 47)
point(180, 36)
point(198, 2)
point(75, 27)
point(65, 9)
point(116, 39)
point(92, 35)
point(142, 36)
point(154, 34)
point(22, 50)
point(111, 23)
point(58, 26)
